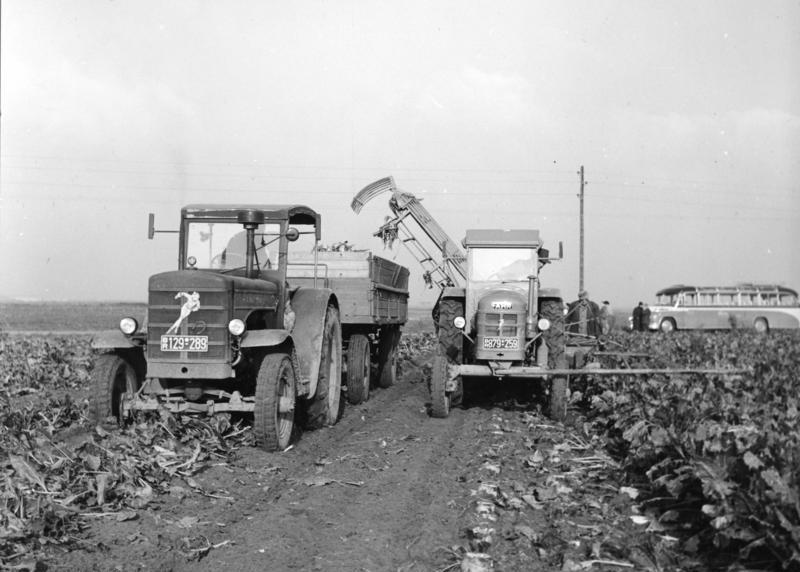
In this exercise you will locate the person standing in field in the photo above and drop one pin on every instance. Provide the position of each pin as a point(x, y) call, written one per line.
point(583, 315)
point(606, 318)
point(645, 318)
point(637, 317)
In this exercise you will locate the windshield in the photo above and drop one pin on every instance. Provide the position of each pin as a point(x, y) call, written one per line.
point(512, 264)
point(223, 245)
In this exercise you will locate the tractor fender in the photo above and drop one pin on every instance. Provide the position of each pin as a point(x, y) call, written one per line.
point(549, 293)
point(264, 338)
point(454, 292)
point(310, 306)
point(112, 340)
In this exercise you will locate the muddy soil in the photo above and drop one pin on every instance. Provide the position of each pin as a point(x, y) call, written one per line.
point(390, 488)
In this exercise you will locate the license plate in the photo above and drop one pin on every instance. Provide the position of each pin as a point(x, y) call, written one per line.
point(501, 343)
point(184, 343)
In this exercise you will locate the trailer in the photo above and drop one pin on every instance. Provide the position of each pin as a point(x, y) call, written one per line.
point(373, 307)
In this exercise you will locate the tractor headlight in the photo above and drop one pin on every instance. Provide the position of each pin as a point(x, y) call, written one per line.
point(543, 324)
point(459, 322)
point(236, 327)
point(128, 326)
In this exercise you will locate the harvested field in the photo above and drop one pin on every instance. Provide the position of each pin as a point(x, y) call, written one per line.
point(686, 473)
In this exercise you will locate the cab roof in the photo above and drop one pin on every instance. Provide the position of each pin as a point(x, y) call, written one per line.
point(491, 237)
point(295, 214)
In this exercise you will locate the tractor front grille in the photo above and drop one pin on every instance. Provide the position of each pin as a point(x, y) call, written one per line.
point(210, 319)
point(503, 325)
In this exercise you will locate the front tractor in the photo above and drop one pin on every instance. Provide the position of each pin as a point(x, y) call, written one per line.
point(225, 332)
point(501, 324)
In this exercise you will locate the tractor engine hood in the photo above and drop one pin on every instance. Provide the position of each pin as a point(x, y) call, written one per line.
point(198, 280)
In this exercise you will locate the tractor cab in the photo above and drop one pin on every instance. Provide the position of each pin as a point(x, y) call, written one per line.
point(242, 241)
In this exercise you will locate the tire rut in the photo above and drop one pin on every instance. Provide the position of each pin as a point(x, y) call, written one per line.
point(378, 491)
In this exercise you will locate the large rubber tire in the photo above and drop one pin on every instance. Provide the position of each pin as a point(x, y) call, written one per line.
point(112, 377)
point(440, 399)
point(554, 337)
point(387, 357)
point(451, 340)
point(273, 416)
point(761, 325)
point(358, 369)
point(557, 402)
point(325, 406)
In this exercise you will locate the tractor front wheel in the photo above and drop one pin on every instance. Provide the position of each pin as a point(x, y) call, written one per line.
point(113, 377)
point(273, 417)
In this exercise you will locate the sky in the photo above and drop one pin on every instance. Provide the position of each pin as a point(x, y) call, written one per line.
point(685, 116)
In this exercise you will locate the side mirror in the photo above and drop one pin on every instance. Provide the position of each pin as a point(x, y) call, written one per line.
point(151, 228)
point(560, 250)
point(292, 234)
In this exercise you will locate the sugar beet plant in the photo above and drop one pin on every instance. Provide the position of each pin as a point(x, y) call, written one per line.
point(720, 455)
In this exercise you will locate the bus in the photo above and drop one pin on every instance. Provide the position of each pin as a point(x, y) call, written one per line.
point(759, 306)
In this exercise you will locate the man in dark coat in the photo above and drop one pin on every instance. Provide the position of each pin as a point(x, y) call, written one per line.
point(583, 316)
point(646, 318)
point(637, 317)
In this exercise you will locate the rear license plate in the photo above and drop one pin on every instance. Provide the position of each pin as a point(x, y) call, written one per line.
point(501, 343)
point(184, 343)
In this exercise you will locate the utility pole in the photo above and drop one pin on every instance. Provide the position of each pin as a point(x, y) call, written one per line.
point(580, 269)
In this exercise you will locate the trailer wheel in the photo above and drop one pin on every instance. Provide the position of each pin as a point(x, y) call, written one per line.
point(112, 377)
point(387, 357)
point(358, 369)
point(325, 406)
point(761, 325)
point(273, 416)
point(440, 399)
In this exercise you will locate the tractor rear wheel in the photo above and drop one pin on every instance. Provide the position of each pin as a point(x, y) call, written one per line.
point(440, 398)
point(553, 310)
point(112, 378)
point(273, 416)
point(451, 340)
point(557, 407)
point(358, 369)
point(325, 406)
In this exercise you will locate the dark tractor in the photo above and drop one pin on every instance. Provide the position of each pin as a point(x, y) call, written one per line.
point(226, 333)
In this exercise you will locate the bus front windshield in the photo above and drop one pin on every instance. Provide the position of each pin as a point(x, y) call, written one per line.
point(223, 245)
point(504, 264)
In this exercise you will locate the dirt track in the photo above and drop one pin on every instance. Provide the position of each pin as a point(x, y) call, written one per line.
point(387, 488)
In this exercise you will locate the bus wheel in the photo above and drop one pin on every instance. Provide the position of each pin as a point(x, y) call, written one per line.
point(667, 326)
point(761, 325)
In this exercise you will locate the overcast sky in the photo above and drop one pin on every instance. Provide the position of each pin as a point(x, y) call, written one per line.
point(685, 114)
